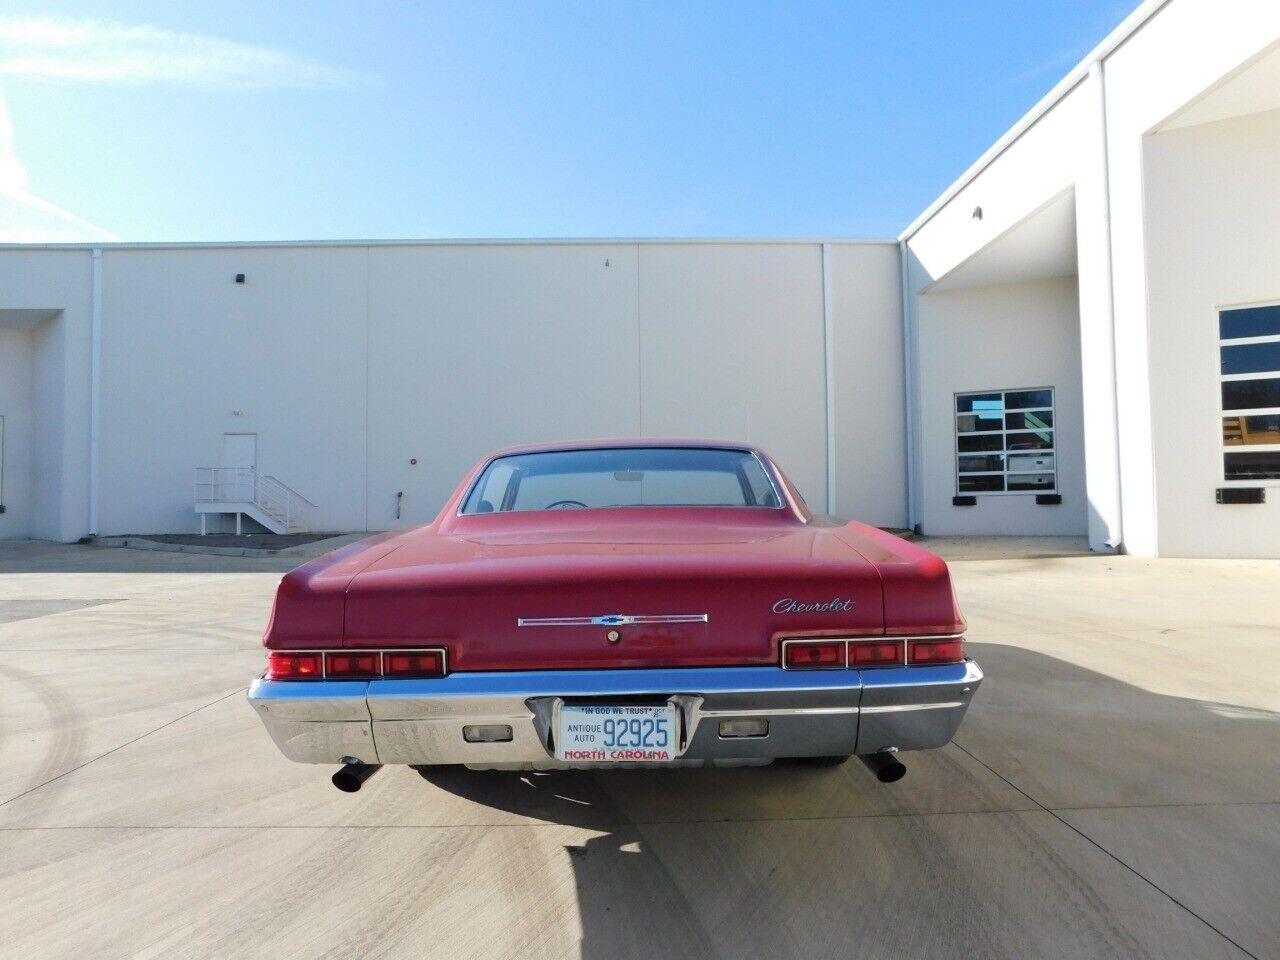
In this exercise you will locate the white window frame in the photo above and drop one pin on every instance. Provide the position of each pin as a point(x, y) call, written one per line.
point(1004, 450)
point(1223, 413)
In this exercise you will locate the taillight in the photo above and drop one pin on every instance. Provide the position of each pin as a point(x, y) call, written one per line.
point(949, 650)
point(352, 666)
point(875, 653)
point(814, 656)
point(406, 663)
point(860, 653)
point(293, 666)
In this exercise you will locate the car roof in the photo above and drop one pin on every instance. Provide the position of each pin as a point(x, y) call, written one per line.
point(624, 443)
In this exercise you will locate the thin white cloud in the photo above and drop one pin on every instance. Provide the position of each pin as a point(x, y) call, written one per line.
point(1058, 63)
point(103, 51)
point(26, 217)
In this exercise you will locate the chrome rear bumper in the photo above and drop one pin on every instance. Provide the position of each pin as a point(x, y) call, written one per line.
point(810, 713)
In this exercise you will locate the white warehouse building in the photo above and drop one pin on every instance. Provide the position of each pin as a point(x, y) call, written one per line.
point(1080, 337)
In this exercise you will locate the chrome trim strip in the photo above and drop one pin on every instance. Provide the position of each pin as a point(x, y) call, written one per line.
point(611, 620)
point(920, 675)
point(781, 712)
point(901, 707)
point(311, 700)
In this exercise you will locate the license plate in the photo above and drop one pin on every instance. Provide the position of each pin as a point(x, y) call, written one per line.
point(592, 733)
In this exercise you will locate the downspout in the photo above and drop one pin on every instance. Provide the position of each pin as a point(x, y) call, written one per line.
point(1097, 70)
point(829, 372)
point(95, 385)
point(908, 385)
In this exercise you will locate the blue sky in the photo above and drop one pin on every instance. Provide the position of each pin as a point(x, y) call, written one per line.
point(245, 120)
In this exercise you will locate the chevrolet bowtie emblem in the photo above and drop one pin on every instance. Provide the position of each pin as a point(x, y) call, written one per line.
point(611, 620)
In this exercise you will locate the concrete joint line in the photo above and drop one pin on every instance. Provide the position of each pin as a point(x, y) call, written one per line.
point(1084, 836)
point(141, 736)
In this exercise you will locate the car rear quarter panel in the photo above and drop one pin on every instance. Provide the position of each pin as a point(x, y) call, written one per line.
point(310, 603)
point(918, 594)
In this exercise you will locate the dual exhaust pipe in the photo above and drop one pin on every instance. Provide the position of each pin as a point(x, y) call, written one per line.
point(353, 775)
point(885, 765)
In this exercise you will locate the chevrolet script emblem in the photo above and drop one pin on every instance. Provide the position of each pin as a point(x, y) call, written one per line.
point(834, 605)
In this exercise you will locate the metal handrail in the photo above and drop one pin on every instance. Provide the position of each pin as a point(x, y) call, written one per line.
point(246, 485)
point(292, 491)
point(225, 484)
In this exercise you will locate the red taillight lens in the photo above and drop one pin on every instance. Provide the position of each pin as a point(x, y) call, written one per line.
point(950, 650)
point(880, 653)
point(413, 664)
point(352, 665)
point(293, 666)
point(811, 656)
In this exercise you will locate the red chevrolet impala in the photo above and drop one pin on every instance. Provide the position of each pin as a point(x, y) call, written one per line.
point(617, 602)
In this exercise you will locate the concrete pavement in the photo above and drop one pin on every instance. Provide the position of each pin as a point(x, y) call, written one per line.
point(1114, 792)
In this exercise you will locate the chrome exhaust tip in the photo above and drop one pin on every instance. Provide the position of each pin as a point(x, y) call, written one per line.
point(352, 776)
point(885, 765)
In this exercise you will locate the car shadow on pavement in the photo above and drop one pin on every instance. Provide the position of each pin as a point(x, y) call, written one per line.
point(959, 859)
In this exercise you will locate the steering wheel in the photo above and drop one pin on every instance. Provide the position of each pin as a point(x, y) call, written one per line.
point(566, 505)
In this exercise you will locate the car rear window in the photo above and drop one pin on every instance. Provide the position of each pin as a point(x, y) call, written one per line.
point(623, 477)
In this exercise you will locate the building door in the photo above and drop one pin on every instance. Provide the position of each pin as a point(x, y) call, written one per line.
point(240, 450)
point(239, 461)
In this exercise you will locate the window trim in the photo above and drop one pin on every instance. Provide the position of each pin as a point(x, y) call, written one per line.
point(774, 481)
point(1224, 413)
point(1004, 450)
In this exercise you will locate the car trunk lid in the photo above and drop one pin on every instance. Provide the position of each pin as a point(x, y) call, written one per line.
point(662, 594)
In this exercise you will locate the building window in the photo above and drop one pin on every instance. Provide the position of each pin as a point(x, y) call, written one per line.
point(1005, 442)
point(1249, 348)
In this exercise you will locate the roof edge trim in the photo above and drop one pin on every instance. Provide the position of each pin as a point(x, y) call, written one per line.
point(1112, 42)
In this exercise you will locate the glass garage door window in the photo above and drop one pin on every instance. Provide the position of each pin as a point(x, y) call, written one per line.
point(1005, 442)
point(1249, 350)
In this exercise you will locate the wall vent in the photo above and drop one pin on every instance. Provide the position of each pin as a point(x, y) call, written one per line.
point(964, 501)
point(1048, 499)
point(1242, 495)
